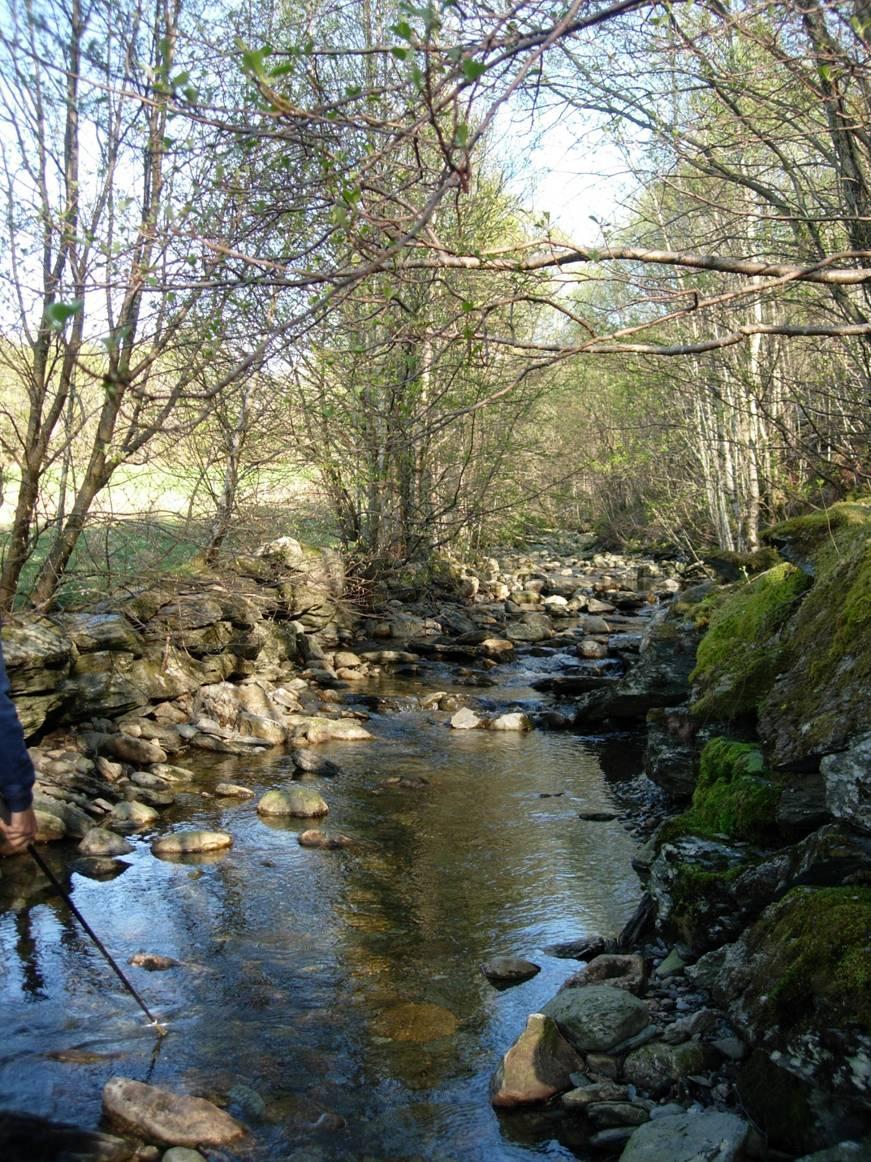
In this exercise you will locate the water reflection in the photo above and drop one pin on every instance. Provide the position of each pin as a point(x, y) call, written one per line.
point(333, 999)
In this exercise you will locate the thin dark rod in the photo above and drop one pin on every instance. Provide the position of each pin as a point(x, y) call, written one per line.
point(65, 896)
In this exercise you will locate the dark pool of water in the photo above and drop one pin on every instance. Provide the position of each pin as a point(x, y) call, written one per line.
point(321, 983)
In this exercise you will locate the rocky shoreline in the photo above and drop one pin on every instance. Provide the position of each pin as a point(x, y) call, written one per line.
point(666, 1042)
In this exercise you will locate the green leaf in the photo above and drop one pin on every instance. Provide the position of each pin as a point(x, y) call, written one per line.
point(402, 29)
point(401, 54)
point(461, 134)
point(473, 69)
point(58, 314)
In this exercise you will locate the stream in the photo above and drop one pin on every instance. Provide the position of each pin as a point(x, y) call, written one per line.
point(332, 1000)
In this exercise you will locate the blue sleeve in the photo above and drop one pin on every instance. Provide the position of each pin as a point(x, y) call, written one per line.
point(16, 769)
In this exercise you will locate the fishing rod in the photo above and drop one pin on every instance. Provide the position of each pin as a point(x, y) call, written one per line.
point(67, 899)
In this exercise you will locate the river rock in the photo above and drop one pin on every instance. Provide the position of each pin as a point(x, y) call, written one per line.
point(465, 719)
point(152, 961)
point(538, 1065)
point(328, 841)
point(598, 1018)
point(614, 969)
point(509, 969)
point(140, 752)
point(590, 648)
point(99, 841)
point(314, 729)
point(616, 1113)
point(49, 828)
point(191, 842)
point(233, 791)
point(514, 721)
point(162, 1116)
point(714, 1135)
point(182, 1154)
point(302, 802)
point(600, 1091)
point(134, 813)
point(76, 822)
point(655, 1067)
point(305, 759)
point(498, 648)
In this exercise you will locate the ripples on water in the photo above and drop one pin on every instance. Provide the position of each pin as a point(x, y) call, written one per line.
point(301, 967)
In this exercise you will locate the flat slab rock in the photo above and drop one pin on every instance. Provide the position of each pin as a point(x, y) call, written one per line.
point(162, 1116)
point(713, 1135)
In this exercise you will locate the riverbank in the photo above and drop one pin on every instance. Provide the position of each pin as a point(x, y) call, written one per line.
point(624, 667)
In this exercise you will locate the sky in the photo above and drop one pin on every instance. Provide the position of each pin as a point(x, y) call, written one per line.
point(565, 168)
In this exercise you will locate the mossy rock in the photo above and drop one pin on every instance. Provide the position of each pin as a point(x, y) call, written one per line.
point(740, 655)
point(801, 988)
point(732, 566)
point(820, 699)
point(693, 882)
point(733, 794)
point(814, 961)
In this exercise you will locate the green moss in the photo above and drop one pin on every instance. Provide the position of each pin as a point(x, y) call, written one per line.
point(740, 654)
point(827, 653)
point(697, 896)
point(815, 966)
point(734, 797)
point(733, 794)
point(807, 534)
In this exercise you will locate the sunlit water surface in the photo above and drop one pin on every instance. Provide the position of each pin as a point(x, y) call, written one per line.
point(299, 966)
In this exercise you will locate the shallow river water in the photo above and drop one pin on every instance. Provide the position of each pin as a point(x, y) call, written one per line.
point(333, 999)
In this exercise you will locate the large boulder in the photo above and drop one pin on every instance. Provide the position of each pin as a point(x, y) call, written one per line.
point(657, 1066)
point(818, 700)
point(847, 781)
point(38, 657)
point(797, 986)
point(538, 1065)
point(712, 1135)
point(598, 1018)
point(659, 678)
point(101, 632)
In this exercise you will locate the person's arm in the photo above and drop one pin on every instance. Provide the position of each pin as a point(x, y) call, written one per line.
point(17, 818)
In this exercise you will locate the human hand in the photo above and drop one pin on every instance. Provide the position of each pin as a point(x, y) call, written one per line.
point(17, 830)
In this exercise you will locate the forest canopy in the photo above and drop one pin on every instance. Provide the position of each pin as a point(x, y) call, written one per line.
point(275, 252)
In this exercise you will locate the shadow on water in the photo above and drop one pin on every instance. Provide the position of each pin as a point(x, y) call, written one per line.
point(332, 1000)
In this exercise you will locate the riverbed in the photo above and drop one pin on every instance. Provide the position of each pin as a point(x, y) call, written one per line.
point(333, 1000)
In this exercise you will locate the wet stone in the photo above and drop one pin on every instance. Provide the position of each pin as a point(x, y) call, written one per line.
point(616, 1113)
point(597, 1018)
point(326, 840)
point(234, 791)
point(162, 1116)
point(537, 1066)
point(152, 961)
point(191, 842)
point(687, 1137)
point(100, 842)
point(509, 969)
point(300, 802)
point(100, 868)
